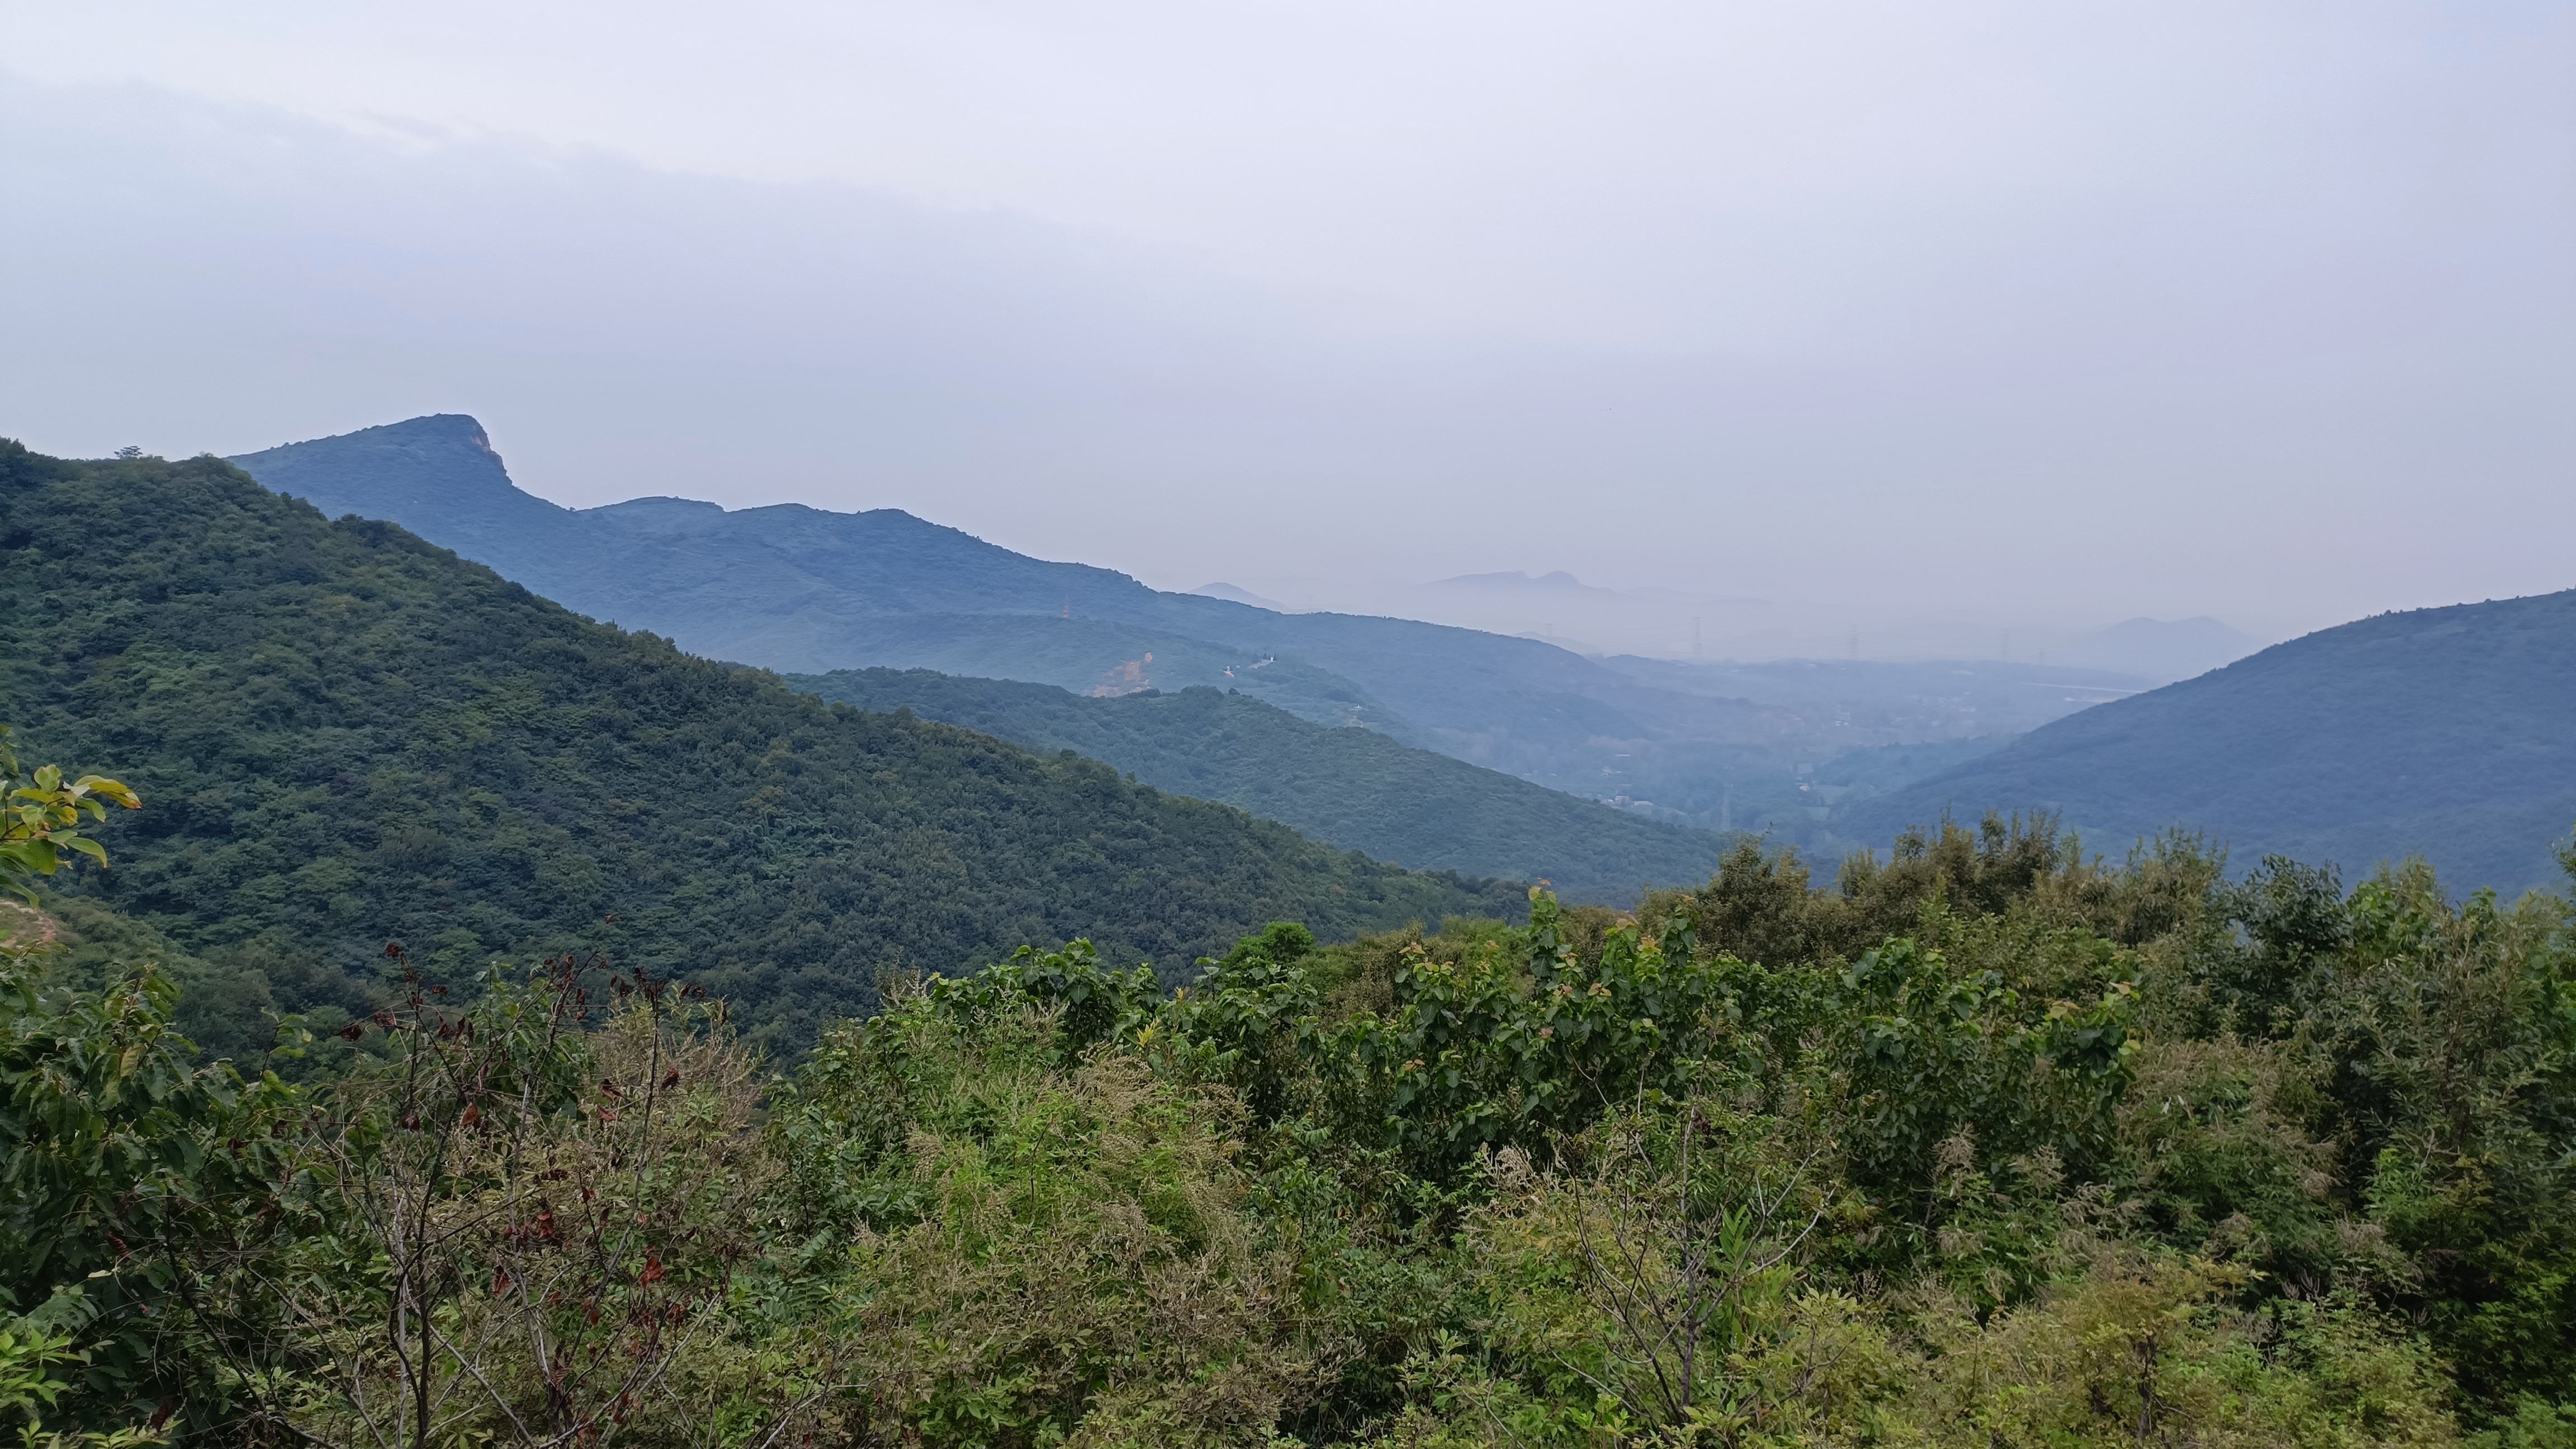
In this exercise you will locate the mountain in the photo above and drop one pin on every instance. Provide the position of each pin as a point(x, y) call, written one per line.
point(1352, 787)
point(811, 591)
point(1553, 584)
point(792, 587)
point(1559, 608)
point(344, 734)
point(2164, 648)
point(2439, 732)
point(1236, 594)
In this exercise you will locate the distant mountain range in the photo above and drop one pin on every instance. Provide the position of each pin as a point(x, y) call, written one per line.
point(811, 591)
point(1351, 787)
point(798, 588)
point(2437, 731)
point(1707, 745)
point(2163, 648)
point(1559, 583)
point(1222, 590)
point(2440, 732)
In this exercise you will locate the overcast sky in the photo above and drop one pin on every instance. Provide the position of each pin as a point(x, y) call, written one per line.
point(2047, 310)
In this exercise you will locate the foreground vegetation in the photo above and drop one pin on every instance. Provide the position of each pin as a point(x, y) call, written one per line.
point(1991, 1146)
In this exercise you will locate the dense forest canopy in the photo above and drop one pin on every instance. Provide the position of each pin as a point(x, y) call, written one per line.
point(1988, 1146)
point(1353, 787)
point(352, 736)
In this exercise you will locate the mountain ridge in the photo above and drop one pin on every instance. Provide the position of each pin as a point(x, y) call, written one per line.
point(790, 587)
point(2439, 732)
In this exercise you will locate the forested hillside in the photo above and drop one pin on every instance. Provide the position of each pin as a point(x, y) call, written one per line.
point(1352, 787)
point(2435, 732)
point(349, 736)
point(1987, 1148)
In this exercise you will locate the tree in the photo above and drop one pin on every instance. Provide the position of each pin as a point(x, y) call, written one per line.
point(536, 1206)
point(1659, 1261)
point(40, 824)
point(119, 1154)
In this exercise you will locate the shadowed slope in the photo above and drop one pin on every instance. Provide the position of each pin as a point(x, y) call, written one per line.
point(2437, 732)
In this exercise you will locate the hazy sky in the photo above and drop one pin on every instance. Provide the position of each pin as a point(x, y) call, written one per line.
point(2019, 310)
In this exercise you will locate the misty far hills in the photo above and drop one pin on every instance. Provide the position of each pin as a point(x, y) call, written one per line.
point(810, 591)
point(1223, 590)
point(1681, 625)
point(1353, 788)
point(2167, 649)
point(344, 734)
point(2436, 732)
point(1872, 727)
point(1558, 582)
point(1898, 703)
point(803, 589)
